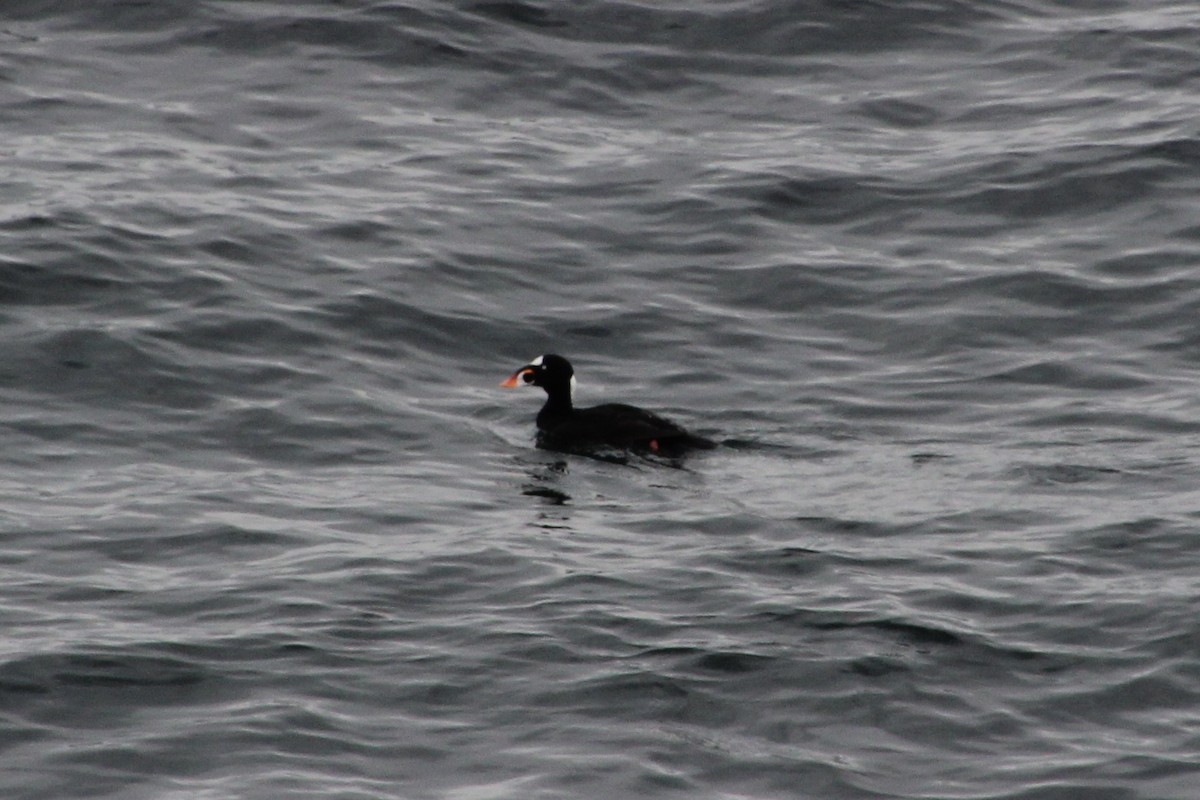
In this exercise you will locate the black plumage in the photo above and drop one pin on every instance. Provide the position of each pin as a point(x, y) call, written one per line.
point(561, 426)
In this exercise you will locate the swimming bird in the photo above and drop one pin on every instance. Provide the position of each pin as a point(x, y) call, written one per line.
point(562, 426)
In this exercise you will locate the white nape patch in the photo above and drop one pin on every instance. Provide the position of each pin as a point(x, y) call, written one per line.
point(572, 388)
point(537, 362)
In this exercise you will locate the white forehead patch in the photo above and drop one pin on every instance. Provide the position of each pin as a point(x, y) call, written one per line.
point(537, 362)
point(572, 387)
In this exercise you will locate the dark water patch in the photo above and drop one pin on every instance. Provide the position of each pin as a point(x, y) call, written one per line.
point(94, 595)
point(296, 433)
point(703, 661)
point(231, 249)
point(1153, 543)
point(107, 366)
point(1127, 422)
point(316, 749)
point(732, 663)
point(775, 29)
point(201, 545)
point(900, 113)
point(118, 16)
point(1030, 193)
point(987, 519)
point(1179, 152)
point(17, 36)
point(391, 34)
point(228, 332)
point(552, 496)
point(1071, 376)
point(799, 288)
point(248, 249)
point(900, 629)
point(792, 562)
point(855, 527)
point(1159, 690)
point(395, 326)
point(829, 200)
point(908, 631)
point(1132, 534)
point(925, 458)
point(520, 13)
point(78, 260)
point(99, 670)
point(360, 231)
point(487, 575)
point(976, 659)
point(1143, 265)
point(668, 651)
point(929, 641)
point(1064, 474)
point(774, 445)
point(37, 223)
point(623, 695)
point(26, 283)
point(1078, 298)
point(877, 667)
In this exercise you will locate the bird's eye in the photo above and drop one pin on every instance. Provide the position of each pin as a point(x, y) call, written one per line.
point(527, 376)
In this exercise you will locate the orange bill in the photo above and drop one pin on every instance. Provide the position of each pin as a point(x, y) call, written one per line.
point(513, 381)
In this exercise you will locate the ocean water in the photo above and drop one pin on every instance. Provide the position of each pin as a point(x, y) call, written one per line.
point(930, 273)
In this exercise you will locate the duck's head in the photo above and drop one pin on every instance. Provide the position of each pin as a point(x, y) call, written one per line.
point(553, 373)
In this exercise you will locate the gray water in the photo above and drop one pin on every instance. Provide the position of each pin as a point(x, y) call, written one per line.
point(929, 272)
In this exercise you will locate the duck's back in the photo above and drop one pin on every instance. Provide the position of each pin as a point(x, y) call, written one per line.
point(618, 425)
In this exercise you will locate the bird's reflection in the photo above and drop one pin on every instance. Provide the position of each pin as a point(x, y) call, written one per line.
point(544, 483)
